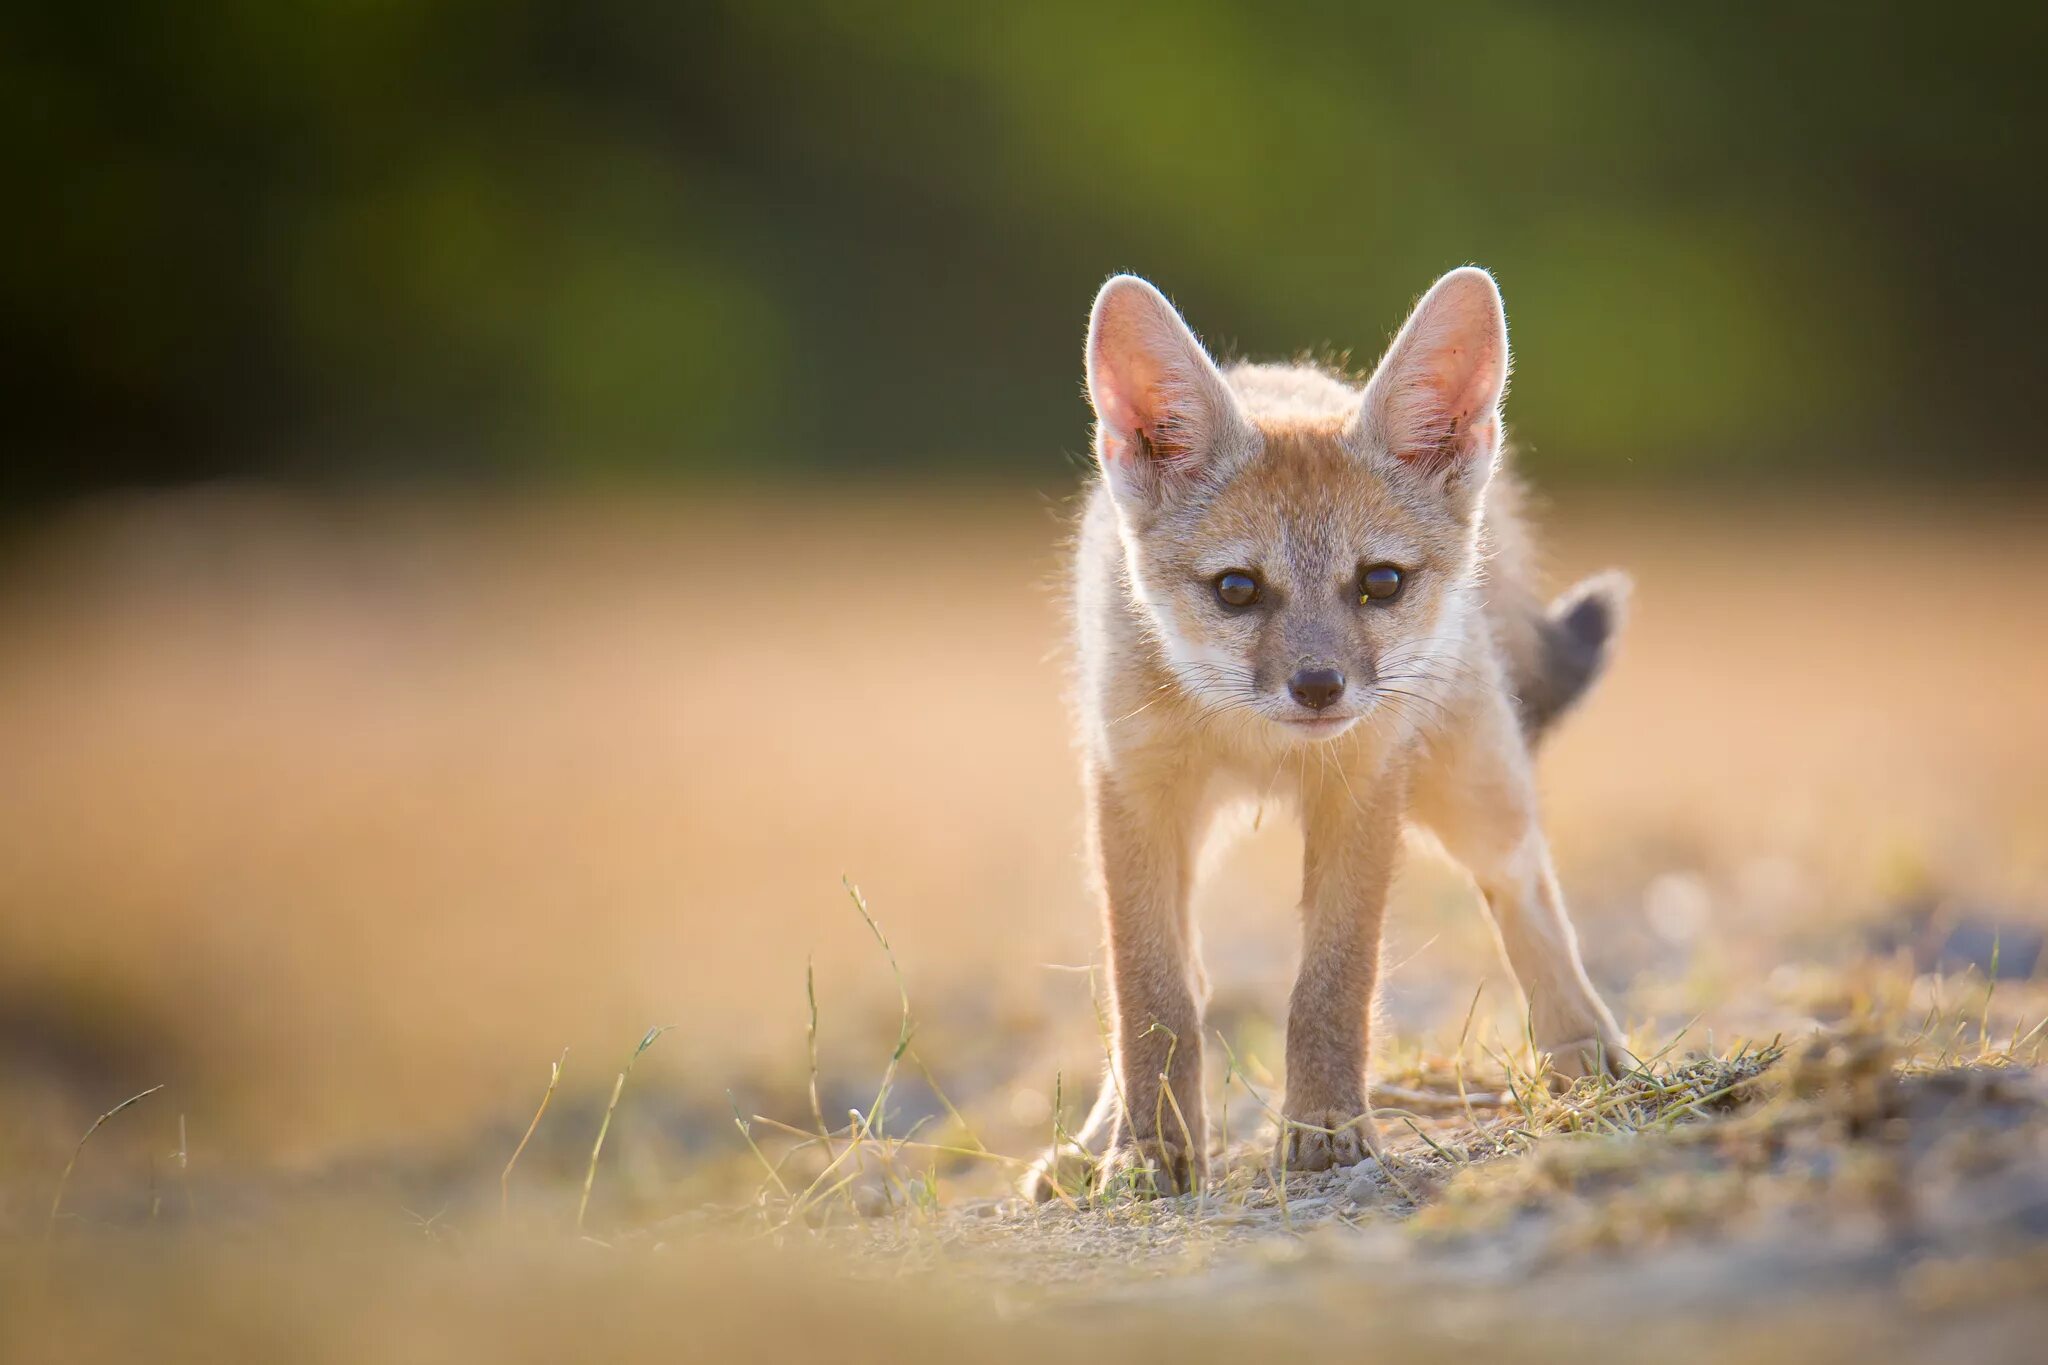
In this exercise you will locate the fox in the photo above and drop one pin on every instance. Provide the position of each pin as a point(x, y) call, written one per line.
point(1288, 587)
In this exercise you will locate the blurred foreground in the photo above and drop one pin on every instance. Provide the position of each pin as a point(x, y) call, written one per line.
point(343, 819)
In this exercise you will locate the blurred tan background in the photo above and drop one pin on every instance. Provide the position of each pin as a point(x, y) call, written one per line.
point(347, 815)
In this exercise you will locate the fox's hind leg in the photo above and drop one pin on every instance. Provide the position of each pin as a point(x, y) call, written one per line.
point(1477, 794)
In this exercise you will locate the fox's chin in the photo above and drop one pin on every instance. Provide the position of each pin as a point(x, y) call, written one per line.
point(1315, 728)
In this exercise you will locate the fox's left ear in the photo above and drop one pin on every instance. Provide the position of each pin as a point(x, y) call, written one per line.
point(1433, 404)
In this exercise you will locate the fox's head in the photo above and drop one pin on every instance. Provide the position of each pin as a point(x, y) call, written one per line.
point(1304, 550)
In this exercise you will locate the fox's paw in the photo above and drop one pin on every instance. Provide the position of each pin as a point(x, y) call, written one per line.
point(1148, 1168)
point(1316, 1139)
point(1603, 1053)
point(1064, 1172)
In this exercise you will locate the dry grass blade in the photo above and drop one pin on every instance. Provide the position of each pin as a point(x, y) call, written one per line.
point(183, 1158)
point(1279, 1174)
point(1990, 989)
point(876, 1119)
point(862, 1129)
point(747, 1132)
point(618, 1088)
point(1165, 1088)
point(57, 1199)
point(1432, 1101)
point(505, 1177)
point(952, 1110)
point(1464, 1092)
point(811, 1042)
point(941, 1148)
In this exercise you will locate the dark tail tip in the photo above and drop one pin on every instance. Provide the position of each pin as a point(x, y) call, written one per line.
point(1586, 623)
point(1577, 634)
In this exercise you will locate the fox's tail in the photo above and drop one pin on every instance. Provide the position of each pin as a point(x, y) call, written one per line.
point(1574, 638)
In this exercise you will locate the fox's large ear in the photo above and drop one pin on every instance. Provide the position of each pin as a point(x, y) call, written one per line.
point(1434, 402)
point(1163, 413)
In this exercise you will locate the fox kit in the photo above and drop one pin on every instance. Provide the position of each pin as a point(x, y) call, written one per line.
point(1290, 587)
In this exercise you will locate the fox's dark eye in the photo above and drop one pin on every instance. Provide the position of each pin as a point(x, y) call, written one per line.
point(1380, 583)
point(1237, 589)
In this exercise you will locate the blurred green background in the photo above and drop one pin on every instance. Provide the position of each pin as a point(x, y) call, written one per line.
point(358, 239)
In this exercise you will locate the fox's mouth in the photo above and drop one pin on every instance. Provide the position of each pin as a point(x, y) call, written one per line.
point(1318, 727)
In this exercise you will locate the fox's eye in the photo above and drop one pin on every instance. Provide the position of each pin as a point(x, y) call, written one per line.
point(1237, 589)
point(1380, 583)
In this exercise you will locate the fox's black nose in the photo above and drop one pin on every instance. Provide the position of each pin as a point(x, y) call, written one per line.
point(1316, 688)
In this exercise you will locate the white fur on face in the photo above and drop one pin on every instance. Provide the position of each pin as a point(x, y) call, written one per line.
point(1203, 667)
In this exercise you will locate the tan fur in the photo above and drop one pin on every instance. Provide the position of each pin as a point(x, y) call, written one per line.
point(1184, 707)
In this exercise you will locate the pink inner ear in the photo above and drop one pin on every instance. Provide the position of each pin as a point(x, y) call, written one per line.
point(1121, 418)
point(1467, 382)
point(1449, 415)
point(1130, 403)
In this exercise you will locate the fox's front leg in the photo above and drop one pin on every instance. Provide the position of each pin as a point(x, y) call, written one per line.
point(1144, 844)
point(1353, 834)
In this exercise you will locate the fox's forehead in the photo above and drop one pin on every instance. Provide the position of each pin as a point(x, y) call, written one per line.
point(1304, 501)
point(1293, 395)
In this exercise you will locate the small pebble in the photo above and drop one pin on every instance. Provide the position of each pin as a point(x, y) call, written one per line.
point(870, 1201)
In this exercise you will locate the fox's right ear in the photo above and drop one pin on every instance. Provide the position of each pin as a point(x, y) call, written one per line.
point(1163, 412)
